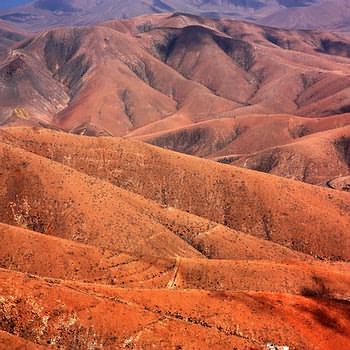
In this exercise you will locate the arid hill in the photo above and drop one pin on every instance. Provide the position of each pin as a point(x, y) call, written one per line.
point(318, 159)
point(266, 206)
point(312, 150)
point(95, 254)
point(65, 259)
point(168, 71)
point(240, 135)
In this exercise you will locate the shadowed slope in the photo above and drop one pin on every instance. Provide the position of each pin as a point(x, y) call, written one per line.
point(241, 135)
point(316, 159)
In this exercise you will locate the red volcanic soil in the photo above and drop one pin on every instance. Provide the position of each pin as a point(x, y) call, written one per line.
point(9, 341)
point(74, 315)
point(285, 212)
point(65, 259)
point(95, 255)
point(64, 203)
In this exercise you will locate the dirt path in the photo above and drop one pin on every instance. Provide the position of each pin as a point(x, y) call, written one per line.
point(171, 284)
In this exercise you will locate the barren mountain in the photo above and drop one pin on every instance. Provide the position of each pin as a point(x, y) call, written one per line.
point(269, 207)
point(168, 71)
point(236, 136)
point(312, 150)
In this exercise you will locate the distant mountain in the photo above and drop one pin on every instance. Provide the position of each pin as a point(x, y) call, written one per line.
point(40, 14)
point(331, 15)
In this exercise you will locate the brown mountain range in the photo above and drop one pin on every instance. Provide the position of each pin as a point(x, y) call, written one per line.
point(186, 70)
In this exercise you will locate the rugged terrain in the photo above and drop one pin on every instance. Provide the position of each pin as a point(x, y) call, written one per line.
point(94, 255)
point(110, 239)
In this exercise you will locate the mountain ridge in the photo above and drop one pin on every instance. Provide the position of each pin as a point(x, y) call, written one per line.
point(40, 14)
